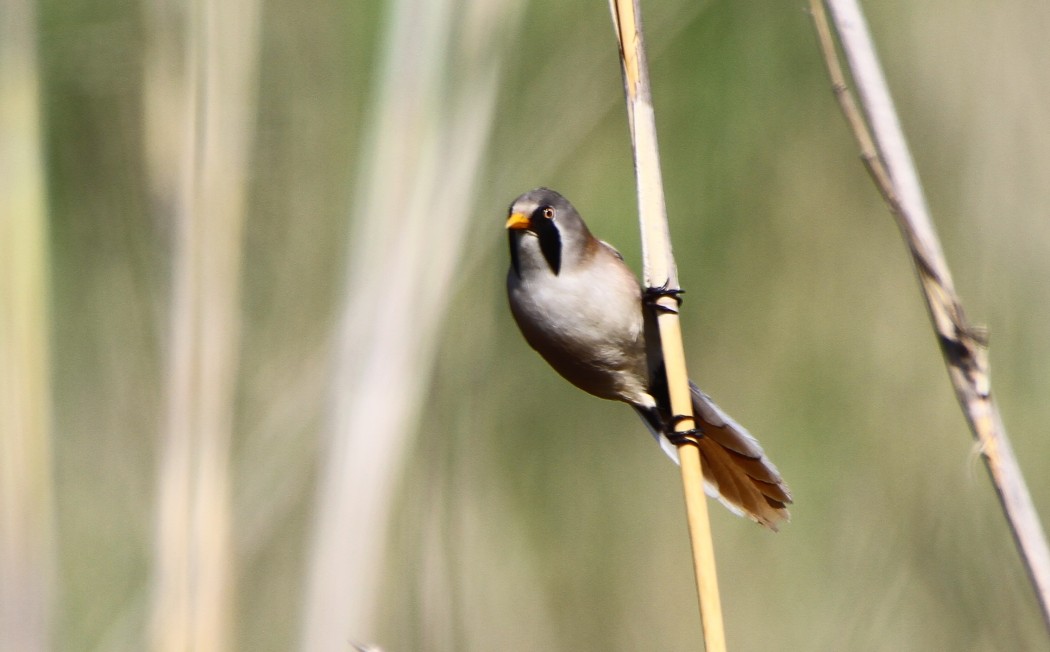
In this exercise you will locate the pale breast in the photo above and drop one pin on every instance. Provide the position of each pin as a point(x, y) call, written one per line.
point(588, 327)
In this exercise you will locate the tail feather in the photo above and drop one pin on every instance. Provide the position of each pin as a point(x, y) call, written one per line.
point(758, 489)
point(737, 489)
point(756, 467)
point(736, 469)
point(776, 494)
point(732, 488)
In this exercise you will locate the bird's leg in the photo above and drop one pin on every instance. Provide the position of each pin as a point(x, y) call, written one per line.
point(652, 295)
point(680, 437)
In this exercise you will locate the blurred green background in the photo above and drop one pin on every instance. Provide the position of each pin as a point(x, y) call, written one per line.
point(524, 514)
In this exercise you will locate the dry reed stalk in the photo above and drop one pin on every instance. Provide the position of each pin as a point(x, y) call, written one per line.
point(27, 545)
point(660, 270)
point(200, 118)
point(427, 134)
point(964, 348)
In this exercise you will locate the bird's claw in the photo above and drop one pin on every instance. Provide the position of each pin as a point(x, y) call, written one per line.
point(682, 437)
point(652, 296)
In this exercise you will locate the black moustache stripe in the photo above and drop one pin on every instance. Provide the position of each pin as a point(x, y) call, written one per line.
point(513, 238)
point(550, 244)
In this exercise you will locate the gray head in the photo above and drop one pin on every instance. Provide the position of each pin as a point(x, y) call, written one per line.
point(543, 224)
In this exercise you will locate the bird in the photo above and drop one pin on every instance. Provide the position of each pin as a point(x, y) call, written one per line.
point(580, 306)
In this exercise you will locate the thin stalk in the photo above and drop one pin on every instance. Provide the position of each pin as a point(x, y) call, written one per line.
point(660, 270)
point(964, 347)
point(411, 213)
point(27, 542)
point(200, 181)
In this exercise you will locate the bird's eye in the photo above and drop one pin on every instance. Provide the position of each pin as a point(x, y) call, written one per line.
point(548, 212)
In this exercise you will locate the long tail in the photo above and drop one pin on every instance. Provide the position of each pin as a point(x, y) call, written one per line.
point(736, 469)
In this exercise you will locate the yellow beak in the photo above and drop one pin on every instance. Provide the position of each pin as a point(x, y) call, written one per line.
point(518, 221)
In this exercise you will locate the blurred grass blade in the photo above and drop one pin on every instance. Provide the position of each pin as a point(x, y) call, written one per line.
point(411, 212)
point(198, 143)
point(27, 543)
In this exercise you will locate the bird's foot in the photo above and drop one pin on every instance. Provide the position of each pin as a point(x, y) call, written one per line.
point(682, 437)
point(652, 295)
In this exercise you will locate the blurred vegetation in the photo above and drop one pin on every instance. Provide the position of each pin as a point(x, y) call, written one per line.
point(531, 516)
